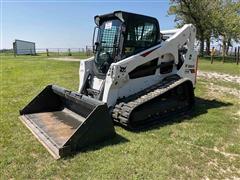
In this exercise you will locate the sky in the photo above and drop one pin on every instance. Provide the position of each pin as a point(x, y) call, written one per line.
point(68, 24)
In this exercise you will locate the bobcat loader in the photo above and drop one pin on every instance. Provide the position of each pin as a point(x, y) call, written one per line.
point(138, 76)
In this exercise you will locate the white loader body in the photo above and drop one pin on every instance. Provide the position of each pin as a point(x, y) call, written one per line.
point(117, 83)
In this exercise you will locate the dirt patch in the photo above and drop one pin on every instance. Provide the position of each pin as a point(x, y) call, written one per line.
point(238, 113)
point(70, 59)
point(213, 87)
point(214, 149)
point(219, 76)
point(221, 89)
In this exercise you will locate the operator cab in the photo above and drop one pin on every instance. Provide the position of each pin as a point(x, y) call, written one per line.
point(119, 35)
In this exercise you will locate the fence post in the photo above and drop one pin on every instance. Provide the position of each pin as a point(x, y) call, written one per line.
point(47, 52)
point(212, 54)
point(235, 54)
point(223, 57)
point(238, 55)
point(58, 52)
point(69, 52)
point(220, 49)
point(231, 52)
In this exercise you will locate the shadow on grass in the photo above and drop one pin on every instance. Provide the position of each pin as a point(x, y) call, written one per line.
point(117, 139)
point(201, 107)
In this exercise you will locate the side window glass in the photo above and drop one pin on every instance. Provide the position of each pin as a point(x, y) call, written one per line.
point(139, 32)
point(140, 36)
point(149, 33)
point(109, 36)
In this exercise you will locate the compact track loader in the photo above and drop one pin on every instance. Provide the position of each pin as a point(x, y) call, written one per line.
point(138, 76)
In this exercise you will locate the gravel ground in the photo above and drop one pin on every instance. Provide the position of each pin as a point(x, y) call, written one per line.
point(219, 76)
point(222, 77)
point(226, 90)
point(65, 59)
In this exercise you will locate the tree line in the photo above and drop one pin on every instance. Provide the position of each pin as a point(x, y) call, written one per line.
point(219, 19)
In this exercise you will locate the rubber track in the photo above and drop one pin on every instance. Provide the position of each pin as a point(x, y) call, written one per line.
point(125, 106)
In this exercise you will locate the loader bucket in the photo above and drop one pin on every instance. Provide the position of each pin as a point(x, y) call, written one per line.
point(65, 122)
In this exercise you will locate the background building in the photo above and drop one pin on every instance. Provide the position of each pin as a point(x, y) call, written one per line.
point(24, 47)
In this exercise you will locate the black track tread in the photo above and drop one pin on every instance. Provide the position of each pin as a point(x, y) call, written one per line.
point(122, 110)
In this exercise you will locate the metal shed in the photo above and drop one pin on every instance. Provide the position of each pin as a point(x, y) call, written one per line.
point(21, 47)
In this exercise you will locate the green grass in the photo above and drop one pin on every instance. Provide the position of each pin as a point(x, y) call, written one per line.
point(203, 144)
point(81, 55)
point(229, 67)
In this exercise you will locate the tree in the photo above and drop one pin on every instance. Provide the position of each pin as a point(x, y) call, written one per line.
point(211, 18)
point(226, 23)
point(196, 12)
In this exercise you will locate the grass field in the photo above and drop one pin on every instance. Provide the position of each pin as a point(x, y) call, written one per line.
point(203, 144)
point(228, 67)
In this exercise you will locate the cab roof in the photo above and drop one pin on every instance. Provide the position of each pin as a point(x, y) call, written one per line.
point(123, 16)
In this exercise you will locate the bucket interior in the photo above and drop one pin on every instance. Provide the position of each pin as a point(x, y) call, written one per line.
point(58, 126)
point(56, 114)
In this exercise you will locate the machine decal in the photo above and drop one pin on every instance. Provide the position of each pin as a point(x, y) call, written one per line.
point(148, 52)
point(188, 71)
point(108, 25)
point(123, 69)
point(190, 57)
point(192, 70)
point(189, 66)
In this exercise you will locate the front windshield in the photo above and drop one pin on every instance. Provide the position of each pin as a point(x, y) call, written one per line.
point(108, 43)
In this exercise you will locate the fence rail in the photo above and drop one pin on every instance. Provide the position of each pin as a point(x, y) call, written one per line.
point(86, 51)
point(216, 53)
point(233, 55)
